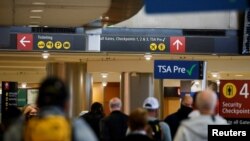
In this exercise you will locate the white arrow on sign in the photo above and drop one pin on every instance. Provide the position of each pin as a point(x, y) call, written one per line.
point(23, 41)
point(177, 43)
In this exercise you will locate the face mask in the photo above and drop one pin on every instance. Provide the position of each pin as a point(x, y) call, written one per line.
point(186, 109)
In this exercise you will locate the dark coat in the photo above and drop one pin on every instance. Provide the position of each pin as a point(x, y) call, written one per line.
point(137, 137)
point(175, 119)
point(114, 126)
point(93, 119)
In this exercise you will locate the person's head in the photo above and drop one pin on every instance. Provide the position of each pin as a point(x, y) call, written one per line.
point(96, 108)
point(53, 92)
point(187, 101)
point(195, 99)
point(115, 104)
point(206, 102)
point(30, 111)
point(137, 120)
point(151, 104)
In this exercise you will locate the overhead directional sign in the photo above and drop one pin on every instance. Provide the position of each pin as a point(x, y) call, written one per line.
point(177, 44)
point(160, 6)
point(24, 41)
point(168, 41)
point(168, 69)
point(55, 42)
point(134, 43)
point(59, 42)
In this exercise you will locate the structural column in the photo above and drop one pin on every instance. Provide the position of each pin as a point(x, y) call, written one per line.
point(159, 94)
point(135, 88)
point(79, 84)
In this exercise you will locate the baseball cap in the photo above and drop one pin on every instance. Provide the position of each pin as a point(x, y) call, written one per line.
point(151, 103)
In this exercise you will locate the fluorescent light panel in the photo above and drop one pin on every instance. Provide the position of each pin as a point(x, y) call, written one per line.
point(38, 3)
point(35, 17)
point(36, 10)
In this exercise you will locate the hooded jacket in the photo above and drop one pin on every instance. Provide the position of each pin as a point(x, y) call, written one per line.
point(196, 129)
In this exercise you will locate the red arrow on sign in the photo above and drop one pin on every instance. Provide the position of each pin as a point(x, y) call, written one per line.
point(24, 41)
point(177, 44)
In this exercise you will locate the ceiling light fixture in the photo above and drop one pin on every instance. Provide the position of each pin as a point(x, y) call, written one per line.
point(33, 25)
point(45, 55)
point(148, 56)
point(239, 75)
point(214, 74)
point(104, 84)
point(24, 85)
point(35, 17)
point(218, 82)
point(104, 75)
point(36, 10)
point(38, 3)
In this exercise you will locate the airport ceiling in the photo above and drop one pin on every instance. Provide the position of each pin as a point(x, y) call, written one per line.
point(13, 64)
point(87, 13)
point(66, 13)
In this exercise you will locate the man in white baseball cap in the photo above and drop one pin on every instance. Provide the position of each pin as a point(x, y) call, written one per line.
point(161, 130)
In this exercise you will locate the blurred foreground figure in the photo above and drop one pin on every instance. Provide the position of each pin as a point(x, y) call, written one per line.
point(94, 117)
point(196, 128)
point(51, 123)
point(138, 123)
point(114, 126)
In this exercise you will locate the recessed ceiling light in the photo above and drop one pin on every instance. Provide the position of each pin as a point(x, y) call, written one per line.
point(239, 75)
point(214, 74)
point(104, 84)
point(45, 26)
point(33, 25)
point(104, 75)
point(36, 10)
point(35, 17)
point(38, 3)
point(148, 56)
point(24, 85)
point(45, 55)
point(218, 82)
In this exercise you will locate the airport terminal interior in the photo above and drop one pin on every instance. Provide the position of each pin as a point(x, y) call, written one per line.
point(123, 48)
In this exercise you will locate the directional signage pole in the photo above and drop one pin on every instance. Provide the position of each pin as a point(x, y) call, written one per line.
point(204, 80)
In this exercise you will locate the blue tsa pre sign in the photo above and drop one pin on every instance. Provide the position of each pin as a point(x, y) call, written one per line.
point(164, 69)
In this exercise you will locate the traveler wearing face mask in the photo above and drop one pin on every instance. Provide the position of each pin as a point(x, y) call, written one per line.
point(175, 119)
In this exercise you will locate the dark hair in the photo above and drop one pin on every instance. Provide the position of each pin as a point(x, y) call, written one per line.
point(52, 92)
point(97, 108)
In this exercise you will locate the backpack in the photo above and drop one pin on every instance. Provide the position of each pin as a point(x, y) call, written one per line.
point(50, 128)
point(154, 130)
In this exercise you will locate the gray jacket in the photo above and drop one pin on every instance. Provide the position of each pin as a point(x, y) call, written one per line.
point(196, 129)
point(165, 129)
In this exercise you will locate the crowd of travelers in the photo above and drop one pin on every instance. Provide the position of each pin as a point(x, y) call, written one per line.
point(48, 120)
